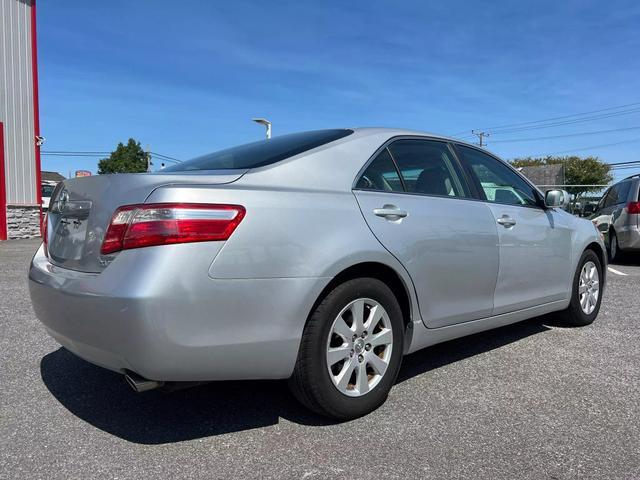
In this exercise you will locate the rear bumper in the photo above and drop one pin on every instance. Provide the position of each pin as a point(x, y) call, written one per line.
point(629, 237)
point(174, 324)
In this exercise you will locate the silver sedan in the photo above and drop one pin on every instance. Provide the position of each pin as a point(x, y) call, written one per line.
point(322, 257)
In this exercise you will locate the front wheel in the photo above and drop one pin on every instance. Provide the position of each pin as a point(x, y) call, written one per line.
point(586, 295)
point(351, 350)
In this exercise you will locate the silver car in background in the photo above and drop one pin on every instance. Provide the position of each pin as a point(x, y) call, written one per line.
point(617, 216)
point(320, 257)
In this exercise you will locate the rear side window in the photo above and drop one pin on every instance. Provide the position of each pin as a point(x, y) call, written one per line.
point(618, 194)
point(415, 166)
point(428, 167)
point(263, 152)
point(499, 183)
point(381, 174)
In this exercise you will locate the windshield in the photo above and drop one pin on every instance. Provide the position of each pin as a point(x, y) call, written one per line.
point(261, 153)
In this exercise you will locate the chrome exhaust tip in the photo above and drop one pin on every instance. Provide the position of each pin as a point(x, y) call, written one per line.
point(141, 384)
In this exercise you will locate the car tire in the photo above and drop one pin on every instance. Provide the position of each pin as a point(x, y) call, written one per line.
point(576, 315)
point(325, 388)
point(614, 246)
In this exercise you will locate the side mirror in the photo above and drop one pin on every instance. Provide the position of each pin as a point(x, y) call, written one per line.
point(557, 199)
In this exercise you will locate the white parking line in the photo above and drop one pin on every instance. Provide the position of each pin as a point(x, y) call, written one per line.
point(617, 272)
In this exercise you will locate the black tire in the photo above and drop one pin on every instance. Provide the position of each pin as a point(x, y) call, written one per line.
point(614, 247)
point(311, 383)
point(574, 316)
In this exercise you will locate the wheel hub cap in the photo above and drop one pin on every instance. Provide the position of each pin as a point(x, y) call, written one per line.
point(588, 287)
point(359, 347)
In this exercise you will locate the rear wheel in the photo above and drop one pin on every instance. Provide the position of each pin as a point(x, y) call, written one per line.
point(351, 350)
point(614, 246)
point(586, 295)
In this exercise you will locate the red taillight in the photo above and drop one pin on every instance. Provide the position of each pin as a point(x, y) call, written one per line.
point(135, 226)
point(633, 207)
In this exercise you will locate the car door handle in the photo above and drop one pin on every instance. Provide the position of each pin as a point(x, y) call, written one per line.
point(390, 212)
point(506, 221)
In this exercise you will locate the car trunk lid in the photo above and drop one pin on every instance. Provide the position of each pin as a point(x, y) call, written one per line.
point(81, 210)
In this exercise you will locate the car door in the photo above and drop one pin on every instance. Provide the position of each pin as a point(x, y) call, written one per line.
point(415, 198)
point(535, 242)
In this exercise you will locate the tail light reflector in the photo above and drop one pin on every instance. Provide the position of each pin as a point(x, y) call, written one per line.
point(145, 225)
point(633, 207)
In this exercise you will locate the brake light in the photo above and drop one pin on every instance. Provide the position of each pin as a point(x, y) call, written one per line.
point(135, 226)
point(633, 207)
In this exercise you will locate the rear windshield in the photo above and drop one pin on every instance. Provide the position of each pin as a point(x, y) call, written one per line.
point(264, 152)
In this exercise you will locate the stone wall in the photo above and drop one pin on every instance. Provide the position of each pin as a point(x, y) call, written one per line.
point(23, 221)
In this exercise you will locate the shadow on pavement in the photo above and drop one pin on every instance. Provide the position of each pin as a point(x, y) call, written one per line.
point(103, 399)
point(627, 259)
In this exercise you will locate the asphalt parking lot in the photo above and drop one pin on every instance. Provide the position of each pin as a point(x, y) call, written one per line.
point(529, 401)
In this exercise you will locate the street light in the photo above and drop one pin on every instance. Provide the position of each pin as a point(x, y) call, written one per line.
point(266, 123)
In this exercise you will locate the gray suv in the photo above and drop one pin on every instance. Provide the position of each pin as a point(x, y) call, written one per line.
point(617, 216)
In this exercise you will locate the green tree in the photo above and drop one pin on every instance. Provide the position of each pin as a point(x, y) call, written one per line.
point(129, 158)
point(577, 171)
point(536, 162)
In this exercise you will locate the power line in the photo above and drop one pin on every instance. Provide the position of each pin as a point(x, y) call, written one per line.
point(626, 168)
point(51, 154)
point(567, 122)
point(553, 121)
point(552, 137)
point(72, 153)
point(165, 156)
point(625, 163)
point(604, 145)
point(563, 116)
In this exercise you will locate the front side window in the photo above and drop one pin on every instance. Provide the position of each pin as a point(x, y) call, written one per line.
point(499, 183)
point(428, 167)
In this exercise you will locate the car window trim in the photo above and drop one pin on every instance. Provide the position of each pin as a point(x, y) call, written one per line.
point(537, 192)
point(391, 140)
point(471, 177)
point(395, 165)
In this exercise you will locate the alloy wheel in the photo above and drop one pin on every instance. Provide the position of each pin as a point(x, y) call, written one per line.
point(589, 287)
point(359, 347)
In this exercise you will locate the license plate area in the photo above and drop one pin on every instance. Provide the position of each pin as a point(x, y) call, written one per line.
point(68, 231)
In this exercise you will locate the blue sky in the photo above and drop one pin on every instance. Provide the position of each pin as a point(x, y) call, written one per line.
point(186, 77)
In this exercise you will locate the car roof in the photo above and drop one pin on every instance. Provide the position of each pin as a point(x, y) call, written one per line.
point(397, 132)
point(334, 165)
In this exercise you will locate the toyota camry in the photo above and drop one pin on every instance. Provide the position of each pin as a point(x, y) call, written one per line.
point(321, 257)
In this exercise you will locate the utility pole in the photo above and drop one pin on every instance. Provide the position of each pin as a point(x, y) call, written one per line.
point(148, 158)
point(481, 136)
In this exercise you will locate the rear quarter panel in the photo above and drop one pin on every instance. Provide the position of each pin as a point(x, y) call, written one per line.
point(286, 233)
point(290, 233)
